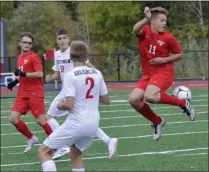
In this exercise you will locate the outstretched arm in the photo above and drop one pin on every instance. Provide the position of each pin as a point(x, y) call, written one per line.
point(139, 25)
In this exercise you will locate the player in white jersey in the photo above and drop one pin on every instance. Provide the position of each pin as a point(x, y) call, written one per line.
point(83, 88)
point(62, 65)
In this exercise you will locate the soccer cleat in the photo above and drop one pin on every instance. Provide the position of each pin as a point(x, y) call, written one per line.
point(189, 110)
point(31, 142)
point(158, 129)
point(61, 152)
point(112, 147)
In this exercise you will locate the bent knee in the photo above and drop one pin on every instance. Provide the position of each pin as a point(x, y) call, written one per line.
point(14, 120)
point(133, 100)
point(43, 149)
point(136, 103)
point(149, 98)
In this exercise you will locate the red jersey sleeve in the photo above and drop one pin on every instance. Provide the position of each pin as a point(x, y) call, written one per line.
point(174, 45)
point(37, 65)
point(143, 32)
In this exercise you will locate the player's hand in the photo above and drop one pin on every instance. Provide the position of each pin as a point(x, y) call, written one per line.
point(157, 61)
point(18, 72)
point(60, 104)
point(147, 13)
point(48, 78)
point(12, 84)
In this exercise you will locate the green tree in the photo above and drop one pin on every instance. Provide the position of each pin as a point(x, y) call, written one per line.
point(40, 18)
point(71, 7)
point(110, 23)
point(7, 9)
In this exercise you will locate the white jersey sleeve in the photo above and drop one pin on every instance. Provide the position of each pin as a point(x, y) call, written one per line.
point(69, 87)
point(103, 87)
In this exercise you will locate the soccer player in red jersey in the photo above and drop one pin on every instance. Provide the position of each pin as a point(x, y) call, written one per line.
point(158, 50)
point(30, 92)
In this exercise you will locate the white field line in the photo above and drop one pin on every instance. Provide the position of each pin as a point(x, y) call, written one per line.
point(104, 111)
point(125, 155)
point(120, 96)
point(121, 101)
point(120, 126)
point(111, 111)
point(121, 138)
point(134, 125)
point(117, 117)
point(125, 101)
point(204, 153)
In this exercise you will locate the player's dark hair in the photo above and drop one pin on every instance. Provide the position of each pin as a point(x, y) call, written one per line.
point(27, 34)
point(79, 51)
point(61, 31)
point(158, 10)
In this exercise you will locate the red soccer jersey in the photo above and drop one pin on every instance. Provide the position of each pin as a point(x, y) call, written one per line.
point(30, 62)
point(156, 45)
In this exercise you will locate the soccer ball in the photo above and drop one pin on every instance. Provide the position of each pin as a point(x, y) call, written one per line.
point(182, 92)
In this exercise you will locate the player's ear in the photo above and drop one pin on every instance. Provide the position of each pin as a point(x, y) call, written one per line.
point(20, 43)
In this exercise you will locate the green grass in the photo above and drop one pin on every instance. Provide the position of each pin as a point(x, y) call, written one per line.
point(183, 146)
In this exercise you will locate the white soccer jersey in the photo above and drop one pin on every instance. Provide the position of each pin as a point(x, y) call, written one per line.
point(86, 85)
point(62, 62)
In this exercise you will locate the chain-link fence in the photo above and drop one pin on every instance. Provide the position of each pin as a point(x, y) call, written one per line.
point(126, 67)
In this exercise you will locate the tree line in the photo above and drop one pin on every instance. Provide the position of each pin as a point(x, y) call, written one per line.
point(105, 26)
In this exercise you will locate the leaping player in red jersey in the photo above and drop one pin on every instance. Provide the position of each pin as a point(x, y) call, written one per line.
point(30, 92)
point(158, 50)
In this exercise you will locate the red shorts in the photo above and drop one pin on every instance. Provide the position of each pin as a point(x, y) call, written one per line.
point(161, 80)
point(34, 104)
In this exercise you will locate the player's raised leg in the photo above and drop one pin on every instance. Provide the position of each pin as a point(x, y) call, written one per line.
point(136, 100)
point(155, 93)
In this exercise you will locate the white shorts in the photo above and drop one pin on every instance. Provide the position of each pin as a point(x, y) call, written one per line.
point(53, 111)
point(70, 134)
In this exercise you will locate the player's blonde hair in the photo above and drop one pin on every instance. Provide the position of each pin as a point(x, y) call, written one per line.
point(158, 10)
point(79, 51)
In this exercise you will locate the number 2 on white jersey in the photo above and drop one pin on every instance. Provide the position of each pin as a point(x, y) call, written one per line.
point(152, 49)
point(90, 81)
